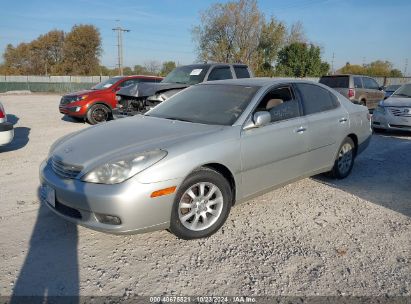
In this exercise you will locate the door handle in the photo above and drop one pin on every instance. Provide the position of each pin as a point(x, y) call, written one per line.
point(300, 130)
point(343, 119)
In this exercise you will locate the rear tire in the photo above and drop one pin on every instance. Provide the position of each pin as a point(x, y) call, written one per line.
point(201, 205)
point(345, 160)
point(98, 113)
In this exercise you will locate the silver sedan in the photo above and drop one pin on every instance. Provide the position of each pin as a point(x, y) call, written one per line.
point(185, 163)
point(394, 113)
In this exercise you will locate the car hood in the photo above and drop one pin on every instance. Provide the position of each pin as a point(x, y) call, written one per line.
point(82, 92)
point(145, 89)
point(397, 102)
point(109, 141)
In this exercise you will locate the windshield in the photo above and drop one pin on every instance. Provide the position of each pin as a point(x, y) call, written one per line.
point(186, 75)
point(106, 83)
point(214, 104)
point(403, 91)
point(392, 88)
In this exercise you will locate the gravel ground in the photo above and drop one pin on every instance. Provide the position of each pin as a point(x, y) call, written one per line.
point(313, 237)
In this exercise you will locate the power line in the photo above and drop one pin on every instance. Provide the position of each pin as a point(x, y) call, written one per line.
point(120, 32)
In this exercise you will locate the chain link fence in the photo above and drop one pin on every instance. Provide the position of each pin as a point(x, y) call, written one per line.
point(65, 84)
point(53, 84)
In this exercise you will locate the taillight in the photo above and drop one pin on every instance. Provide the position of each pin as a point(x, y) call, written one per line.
point(2, 114)
point(351, 93)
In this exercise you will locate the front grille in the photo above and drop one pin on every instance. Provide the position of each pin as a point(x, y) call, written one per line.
point(65, 170)
point(67, 99)
point(403, 112)
point(68, 211)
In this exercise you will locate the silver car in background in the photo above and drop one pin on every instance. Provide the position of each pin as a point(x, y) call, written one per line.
point(185, 163)
point(394, 113)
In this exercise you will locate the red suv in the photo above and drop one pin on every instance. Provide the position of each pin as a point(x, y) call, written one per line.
point(95, 105)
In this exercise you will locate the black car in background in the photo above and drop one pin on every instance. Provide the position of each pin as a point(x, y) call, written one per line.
point(140, 98)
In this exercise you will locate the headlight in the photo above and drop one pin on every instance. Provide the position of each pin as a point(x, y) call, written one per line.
point(120, 170)
point(118, 97)
point(80, 98)
point(380, 109)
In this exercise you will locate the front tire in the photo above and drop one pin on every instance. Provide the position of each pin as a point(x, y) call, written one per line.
point(201, 205)
point(98, 113)
point(345, 160)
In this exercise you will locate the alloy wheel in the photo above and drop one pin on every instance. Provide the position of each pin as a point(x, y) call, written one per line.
point(200, 206)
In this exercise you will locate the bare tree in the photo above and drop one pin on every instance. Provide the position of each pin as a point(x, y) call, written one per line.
point(229, 32)
point(153, 67)
point(296, 33)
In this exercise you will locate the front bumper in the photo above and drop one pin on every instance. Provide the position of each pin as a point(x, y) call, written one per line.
point(6, 133)
point(83, 203)
point(72, 110)
point(388, 121)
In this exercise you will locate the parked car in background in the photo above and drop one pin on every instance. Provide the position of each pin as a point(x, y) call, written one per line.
point(143, 96)
point(205, 149)
point(389, 90)
point(359, 89)
point(95, 105)
point(6, 128)
point(394, 113)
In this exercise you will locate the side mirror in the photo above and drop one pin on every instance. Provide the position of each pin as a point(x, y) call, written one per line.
point(259, 119)
point(116, 89)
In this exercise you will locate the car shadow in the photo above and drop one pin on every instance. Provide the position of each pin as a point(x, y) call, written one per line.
point(73, 119)
point(51, 266)
point(21, 136)
point(381, 174)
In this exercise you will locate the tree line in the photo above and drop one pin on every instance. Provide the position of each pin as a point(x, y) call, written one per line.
point(232, 32)
point(57, 53)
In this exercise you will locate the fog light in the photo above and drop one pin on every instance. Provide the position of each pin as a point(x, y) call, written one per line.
point(108, 219)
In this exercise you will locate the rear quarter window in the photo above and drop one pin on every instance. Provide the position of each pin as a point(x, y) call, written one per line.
point(242, 72)
point(336, 81)
point(316, 99)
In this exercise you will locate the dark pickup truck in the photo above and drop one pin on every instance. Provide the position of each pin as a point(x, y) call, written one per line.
point(141, 97)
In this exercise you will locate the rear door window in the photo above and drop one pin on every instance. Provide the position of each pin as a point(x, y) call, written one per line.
point(241, 72)
point(357, 82)
point(316, 99)
point(220, 73)
point(370, 83)
point(335, 81)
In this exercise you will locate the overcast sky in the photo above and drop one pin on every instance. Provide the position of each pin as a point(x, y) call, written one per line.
point(354, 30)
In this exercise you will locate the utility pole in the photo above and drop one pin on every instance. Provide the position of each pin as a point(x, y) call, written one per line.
point(405, 67)
point(120, 32)
point(332, 64)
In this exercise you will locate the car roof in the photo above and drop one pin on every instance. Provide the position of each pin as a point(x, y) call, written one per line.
point(339, 75)
point(141, 76)
point(208, 65)
point(257, 81)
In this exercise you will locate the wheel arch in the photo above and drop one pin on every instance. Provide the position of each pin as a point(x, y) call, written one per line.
point(102, 102)
point(225, 172)
point(355, 140)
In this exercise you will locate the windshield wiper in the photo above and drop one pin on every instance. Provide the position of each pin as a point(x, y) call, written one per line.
point(177, 118)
